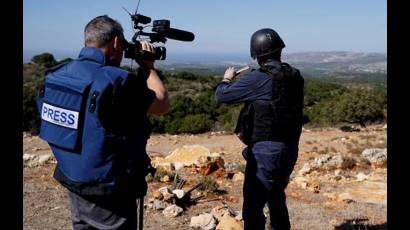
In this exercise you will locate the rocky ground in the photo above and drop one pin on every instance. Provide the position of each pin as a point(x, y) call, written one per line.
point(339, 182)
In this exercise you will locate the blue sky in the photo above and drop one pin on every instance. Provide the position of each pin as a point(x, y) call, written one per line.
point(220, 26)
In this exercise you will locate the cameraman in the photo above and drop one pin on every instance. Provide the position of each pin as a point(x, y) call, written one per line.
point(94, 117)
point(270, 125)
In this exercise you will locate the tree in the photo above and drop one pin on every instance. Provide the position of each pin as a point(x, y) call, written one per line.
point(45, 59)
point(360, 106)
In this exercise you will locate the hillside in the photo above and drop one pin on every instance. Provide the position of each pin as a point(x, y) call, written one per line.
point(336, 185)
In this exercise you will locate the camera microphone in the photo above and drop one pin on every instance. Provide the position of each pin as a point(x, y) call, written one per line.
point(180, 35)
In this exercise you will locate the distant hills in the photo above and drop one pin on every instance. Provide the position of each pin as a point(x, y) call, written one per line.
point(339, 63)
point(328, 62)
point(333, 63)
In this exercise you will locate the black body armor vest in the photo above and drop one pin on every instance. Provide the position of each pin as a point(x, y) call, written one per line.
point(279, 119)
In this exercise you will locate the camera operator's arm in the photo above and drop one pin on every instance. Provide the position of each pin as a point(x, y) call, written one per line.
point(161, 103)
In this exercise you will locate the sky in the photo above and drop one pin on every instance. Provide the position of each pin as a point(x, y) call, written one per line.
point(220, 26)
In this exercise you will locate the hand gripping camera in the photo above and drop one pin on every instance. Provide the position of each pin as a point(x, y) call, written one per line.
point(161, 30)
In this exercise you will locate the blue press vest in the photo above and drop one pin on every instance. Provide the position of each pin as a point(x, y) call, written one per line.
point(84, 150)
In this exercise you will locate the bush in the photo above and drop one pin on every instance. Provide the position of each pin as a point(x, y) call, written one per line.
point(208, 184)
point(45, 59)
point(194, 108)
point(360, 106)
point(31, 117)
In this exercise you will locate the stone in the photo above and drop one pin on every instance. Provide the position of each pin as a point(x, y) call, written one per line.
point(172, 211)
point(27, 157)
point(361, 176)
point(338, 172)
point(238, 177)
point(42, 159)
point(220, 211)
point(376, 156)
point(158, 195)
point(178, 165)
point(168, 197)
point(306, 168)
point(329, 162)
point(203, 221)
point(165, 179)
point(209, 165)
point(186, 155)
point(229, 223)
point(314, 186)
point(179, 193)
point(164, 190)
point(158, 205)
point(238, 215)
point(364, 192)
point(349, 128)
point(301, 182)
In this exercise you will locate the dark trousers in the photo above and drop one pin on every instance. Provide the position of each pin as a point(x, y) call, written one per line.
point(103, 213)
point(269, 165)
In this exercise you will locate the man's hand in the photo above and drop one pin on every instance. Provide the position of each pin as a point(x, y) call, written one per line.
point(147, 64)
point(161, 104)
point(229, 74)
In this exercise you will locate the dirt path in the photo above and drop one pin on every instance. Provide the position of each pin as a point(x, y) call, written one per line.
point(46, 205)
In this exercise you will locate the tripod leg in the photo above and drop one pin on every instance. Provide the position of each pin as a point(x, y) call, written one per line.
point(140, 213)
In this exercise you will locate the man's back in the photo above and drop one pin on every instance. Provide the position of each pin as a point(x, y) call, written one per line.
point(102, 149)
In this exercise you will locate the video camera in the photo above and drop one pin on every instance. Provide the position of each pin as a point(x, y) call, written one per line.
point(161, 30)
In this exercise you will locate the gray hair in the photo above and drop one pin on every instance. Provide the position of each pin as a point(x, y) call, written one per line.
point(101, 30)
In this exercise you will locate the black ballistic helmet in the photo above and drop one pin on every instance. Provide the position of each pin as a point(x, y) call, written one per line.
point(265, 41)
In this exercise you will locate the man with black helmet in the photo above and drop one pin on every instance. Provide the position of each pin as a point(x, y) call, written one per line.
point(270, 124)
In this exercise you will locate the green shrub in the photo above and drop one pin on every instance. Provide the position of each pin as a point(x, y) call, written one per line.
point(45, 59)
point(208, 184)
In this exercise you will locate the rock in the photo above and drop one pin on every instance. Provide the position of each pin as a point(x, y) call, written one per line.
point(27, 157)
point(168, 197)
point(148, 206)
point(158, 195)
point(42, 159)
point(220, 211)
point(233, 166)
point(329, 162)
point(376, 156)
point(238, 177)
point(208, 165)
point(165, 179)
point(238, 215)
point(363, 192)
point(343, 139)
point(301, 182)
point(172, 211)
point(187, 155)
point(164, 190)
point(179, 193)
point(361, 176)
point(338, 172)
point(349, 128)
point(178, 165)
point(306, 168)
point(385, 126)
point(204, 221)
point(229, 223)
point(314, 186)
point(158, 162)
point(333, 222)
point(158, 205)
